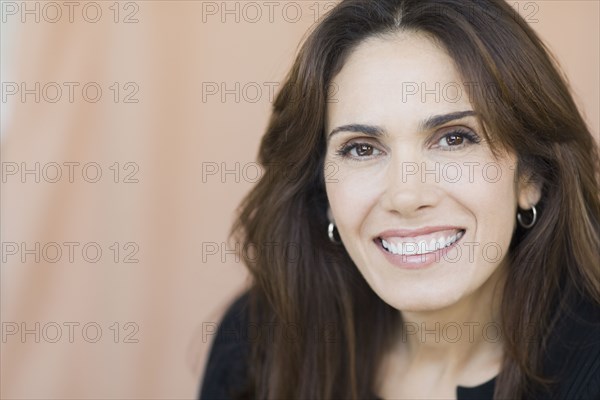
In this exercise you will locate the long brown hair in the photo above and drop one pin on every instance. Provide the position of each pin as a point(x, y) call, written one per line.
point(327, 329)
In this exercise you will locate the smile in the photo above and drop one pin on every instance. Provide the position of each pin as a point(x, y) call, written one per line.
point(421, 244)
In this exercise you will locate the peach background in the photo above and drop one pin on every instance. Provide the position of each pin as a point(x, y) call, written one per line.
point(173, 210)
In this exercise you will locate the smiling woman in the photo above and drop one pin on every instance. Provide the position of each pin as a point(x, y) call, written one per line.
point(387, 218)
point(453, 254)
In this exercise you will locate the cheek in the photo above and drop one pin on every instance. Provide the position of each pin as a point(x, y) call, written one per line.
point(351, 196)
point(491, 200)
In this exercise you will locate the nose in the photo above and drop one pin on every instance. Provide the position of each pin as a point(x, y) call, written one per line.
point(411, 186)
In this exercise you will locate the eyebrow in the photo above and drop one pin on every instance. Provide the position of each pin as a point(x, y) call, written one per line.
point(430, 123)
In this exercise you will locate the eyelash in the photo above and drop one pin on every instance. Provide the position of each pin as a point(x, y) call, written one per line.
point(345, 150)
point(470, 136)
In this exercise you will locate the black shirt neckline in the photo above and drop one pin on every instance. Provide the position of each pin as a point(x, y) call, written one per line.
point(482, 391)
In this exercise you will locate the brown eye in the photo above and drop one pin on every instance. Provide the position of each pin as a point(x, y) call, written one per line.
point(454, 140)
point(457, 139)
point(358, 151)
point(363, 150)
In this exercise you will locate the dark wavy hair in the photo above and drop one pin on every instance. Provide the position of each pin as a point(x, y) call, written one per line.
point(345, 327)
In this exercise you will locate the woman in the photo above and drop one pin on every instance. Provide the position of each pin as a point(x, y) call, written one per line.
point(441, 195)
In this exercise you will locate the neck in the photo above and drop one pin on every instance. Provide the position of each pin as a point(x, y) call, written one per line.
point(467, 333)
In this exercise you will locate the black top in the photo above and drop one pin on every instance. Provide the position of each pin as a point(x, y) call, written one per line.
point(574, 357)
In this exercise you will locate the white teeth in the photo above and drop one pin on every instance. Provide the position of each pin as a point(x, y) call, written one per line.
point(409, 249)
point(441, 242)
point(421, 247)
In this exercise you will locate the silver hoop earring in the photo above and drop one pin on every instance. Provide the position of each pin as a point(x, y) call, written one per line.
point(533, 219)
point(330, 229)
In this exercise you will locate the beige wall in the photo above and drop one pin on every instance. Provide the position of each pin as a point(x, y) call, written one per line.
point(163, 208)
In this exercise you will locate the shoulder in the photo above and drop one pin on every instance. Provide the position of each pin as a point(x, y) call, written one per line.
point(573, 355)
point(226, 370)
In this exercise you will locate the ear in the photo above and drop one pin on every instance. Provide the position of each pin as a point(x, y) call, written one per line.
point(529, 191)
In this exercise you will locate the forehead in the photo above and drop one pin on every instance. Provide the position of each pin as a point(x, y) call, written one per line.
point(406, 75)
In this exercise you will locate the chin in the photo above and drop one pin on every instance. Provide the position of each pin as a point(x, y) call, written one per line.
point(414, 300)
point(414, 305)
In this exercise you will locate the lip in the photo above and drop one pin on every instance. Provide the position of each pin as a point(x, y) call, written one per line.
point(418, 261)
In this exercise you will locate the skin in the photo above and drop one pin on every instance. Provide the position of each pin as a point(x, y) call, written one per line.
point(374, 191)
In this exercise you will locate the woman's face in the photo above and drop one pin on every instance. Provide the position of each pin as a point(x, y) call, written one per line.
point(424, 209)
